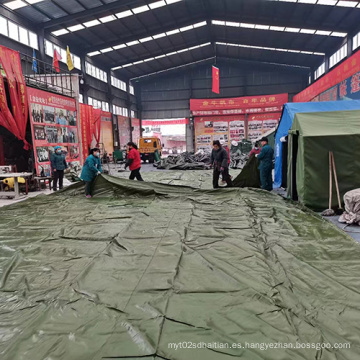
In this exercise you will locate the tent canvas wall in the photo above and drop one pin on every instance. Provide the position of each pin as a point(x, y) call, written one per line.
point(290, 109)
point(311, 137)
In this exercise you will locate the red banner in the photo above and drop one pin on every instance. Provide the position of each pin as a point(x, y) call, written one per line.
point(272, 116)
point(54, 121)
point(84, 130)
point(216, 80)
point(237, 111)
point(15, 120)
point(165, 122)
point(345, 70)
point(239, 103)
point(97, 125)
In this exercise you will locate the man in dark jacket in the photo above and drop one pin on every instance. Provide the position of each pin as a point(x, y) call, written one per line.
point(58, 165)
point(219, 160)
point(266, 160)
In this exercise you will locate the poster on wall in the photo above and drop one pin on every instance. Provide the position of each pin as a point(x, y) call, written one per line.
point(237, 130)
point(255, 129)
point(135, 124)
point(221, 126)
point(54, 121)
point(107, 138)
point(124, 131)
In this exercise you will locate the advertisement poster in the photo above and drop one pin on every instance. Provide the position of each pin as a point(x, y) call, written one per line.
point(255, 129)
point(221, 126)
point(237, 130)
point(107, 138)
point(124, 131)
point(54, 121)
point(135, 124)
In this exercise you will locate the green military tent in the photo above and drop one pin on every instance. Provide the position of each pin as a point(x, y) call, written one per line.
point(311, 138)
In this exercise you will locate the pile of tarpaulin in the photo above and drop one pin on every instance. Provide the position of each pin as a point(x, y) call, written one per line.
point(201, 160)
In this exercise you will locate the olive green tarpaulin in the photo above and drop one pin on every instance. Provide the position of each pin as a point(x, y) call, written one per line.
point(142, 266)
point(316, 134)
point(250, 175)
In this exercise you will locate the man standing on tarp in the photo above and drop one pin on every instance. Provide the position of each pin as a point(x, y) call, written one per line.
point(58, 166)
point(219, 160)
point(266, 160)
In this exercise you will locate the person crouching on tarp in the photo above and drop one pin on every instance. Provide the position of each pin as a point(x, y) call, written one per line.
point(133, 161)
point(58, 166)
point(219, 160)
point(91, 169)
point(266, 159)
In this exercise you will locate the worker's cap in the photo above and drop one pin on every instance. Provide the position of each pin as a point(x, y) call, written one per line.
point(264, 139)
point(57, 147)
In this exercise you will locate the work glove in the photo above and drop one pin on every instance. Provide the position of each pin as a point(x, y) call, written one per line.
point(99, 173)
point(256, 155)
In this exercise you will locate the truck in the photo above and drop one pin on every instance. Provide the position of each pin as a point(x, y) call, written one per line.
point(150, 149)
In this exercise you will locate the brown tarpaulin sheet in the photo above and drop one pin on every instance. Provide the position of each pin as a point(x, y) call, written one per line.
point(144, 265)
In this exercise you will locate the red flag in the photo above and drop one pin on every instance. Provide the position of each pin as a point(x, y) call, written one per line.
point(216, 80)
point(57, 57)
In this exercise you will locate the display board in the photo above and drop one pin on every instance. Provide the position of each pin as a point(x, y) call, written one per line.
point(232, 128)
point(54, 121)
point(107, 138)
point(124, 130)
point(135, 124)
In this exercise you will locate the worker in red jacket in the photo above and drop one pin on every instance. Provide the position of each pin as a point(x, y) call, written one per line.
point(133, 161)
point(256, 150)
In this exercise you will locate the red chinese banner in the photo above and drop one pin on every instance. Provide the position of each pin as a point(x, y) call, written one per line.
point(239, 103)
point(258, 110)
point(216, 80)
point(54, 121)
point(345, 70)
point(15, 120)
point(84, 131)
point(165, 122)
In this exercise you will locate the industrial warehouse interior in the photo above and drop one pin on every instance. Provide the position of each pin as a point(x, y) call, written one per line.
point(179, 179)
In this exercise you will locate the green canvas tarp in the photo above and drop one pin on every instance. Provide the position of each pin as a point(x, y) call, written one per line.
point(311, 138)
point(144, 266)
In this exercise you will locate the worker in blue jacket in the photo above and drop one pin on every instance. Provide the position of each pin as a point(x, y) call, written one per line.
point(58, 166)
point(91, 169)
point(266, 160)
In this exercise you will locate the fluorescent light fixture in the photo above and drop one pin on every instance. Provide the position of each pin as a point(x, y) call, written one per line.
point(248, 26)
point(17, 4)
point(117, 68)
point(60, 32)
point(91, 23)
point(339, 34)
point(103, 51)
point(33, 1)
point(172, 53)
point(262, 27)
point(131, 43)
point(146, 39)
point(327, 2)
point(307, 1)
point(233, 24)
point(158, 36)
point(157, 4)
point(322, 32)
point(218, 22)
point(127, 65)
point(200, 24)
point(124, 14)
point(169, 2)
point(75, 27)
point(140, 9)
point(149, 59)
point(277, 28)
point(138, 62)
point(94, 53)
point(121, 46)
point(159, 57)
point(307, 31)
point(347, 3)
point(290, 29)
point(307, 52)
point(186, 28)
point(108, 18)
point(172, 32)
